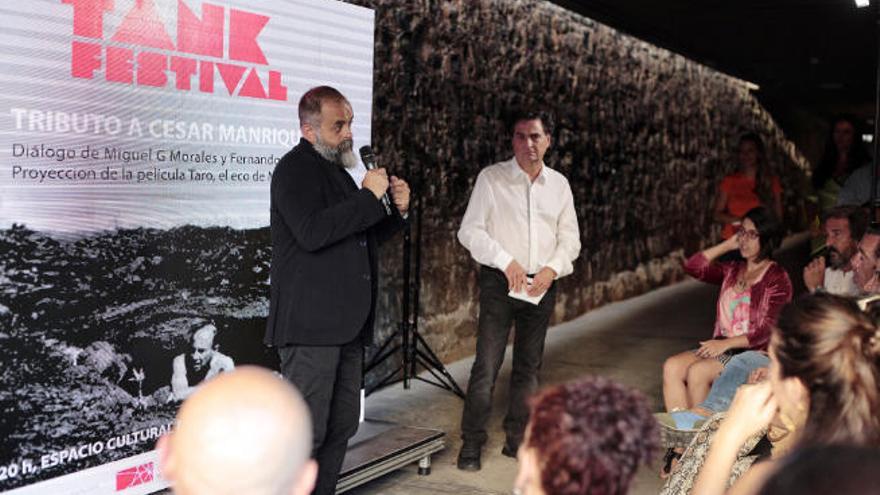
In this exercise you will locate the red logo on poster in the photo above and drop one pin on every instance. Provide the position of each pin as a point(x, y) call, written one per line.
point(143, 53)
point(135, 476)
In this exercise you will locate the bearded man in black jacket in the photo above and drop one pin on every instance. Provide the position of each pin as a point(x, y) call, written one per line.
point(325, 234)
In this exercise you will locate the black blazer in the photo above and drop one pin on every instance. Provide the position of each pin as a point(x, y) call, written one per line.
point(325, 234)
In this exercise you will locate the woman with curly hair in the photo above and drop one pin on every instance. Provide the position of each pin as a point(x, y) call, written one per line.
point(585, 437)
point(823, 386)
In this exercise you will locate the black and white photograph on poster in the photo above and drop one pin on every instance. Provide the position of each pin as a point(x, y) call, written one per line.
point(134, 208)
point(104, 335)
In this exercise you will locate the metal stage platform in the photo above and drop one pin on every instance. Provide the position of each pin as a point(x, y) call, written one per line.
point(381, 447)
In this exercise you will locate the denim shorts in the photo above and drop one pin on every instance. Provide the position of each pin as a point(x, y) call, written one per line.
point(735, 373)
point(725, 356)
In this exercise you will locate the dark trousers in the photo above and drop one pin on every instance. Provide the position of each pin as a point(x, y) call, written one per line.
point(497, 312)
point(329, 378)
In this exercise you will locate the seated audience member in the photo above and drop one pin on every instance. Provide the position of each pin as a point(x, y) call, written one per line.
point(865, 262)
point(872, 288)
point(843, 227)
point(752, 293)
point(749, 187)
point(844, 153)
point(856, 191)
point(246, 432)
point(588, 436)
point(835, 469)
point(823, 386)
point(677, 428)
point(190, 369)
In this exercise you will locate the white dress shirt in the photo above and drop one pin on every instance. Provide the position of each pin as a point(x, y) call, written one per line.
point(840, 283)
point(509, 217)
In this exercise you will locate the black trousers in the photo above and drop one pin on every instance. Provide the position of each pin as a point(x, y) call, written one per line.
point(329, 378)
point(497, 312)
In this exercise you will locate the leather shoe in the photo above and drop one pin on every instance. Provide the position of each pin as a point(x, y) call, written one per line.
point(469, 458)
point(509, 450)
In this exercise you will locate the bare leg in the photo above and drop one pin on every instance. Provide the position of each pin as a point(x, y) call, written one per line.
point(675, 372)
point(700, 376)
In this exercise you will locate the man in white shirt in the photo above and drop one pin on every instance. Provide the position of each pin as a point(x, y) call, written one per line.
point(521, 227)
point(844, 226)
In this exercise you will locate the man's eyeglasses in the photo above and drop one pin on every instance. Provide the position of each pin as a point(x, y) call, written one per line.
point(749, 235)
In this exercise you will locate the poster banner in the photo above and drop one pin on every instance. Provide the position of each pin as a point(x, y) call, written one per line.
point(137, 144)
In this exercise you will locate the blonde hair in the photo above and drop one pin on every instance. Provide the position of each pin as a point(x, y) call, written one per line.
point(833, 349)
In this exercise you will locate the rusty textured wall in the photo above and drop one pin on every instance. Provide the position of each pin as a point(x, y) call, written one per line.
point(643, 135)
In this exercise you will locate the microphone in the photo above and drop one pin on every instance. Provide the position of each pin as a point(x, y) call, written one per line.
point(369, 160)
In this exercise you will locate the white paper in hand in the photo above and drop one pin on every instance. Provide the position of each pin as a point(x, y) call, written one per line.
point(524, 296)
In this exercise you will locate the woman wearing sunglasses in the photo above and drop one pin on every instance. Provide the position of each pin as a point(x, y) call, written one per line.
point(753, 291)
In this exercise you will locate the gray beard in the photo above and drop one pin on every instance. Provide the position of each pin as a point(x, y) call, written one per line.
point(341, 155)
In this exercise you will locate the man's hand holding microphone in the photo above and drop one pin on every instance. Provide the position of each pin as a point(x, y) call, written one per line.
point(376, 180)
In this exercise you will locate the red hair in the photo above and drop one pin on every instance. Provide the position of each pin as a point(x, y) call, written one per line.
point(590, 436)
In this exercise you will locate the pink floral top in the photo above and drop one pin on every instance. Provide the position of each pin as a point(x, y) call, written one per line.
point(733, 312)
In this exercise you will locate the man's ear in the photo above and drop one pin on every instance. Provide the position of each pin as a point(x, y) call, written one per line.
point(308, 132)
point(166, 457)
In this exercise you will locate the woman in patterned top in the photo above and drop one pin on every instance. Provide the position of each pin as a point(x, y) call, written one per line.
point(753, 291)
point(823, 386)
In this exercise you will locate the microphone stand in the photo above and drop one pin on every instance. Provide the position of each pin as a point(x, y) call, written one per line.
point(415, 349)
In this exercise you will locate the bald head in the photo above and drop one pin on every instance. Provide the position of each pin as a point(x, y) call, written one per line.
point(205, 336)
point(243, 432)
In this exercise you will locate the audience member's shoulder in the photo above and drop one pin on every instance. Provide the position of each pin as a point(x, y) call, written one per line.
point(779, 273)
point(859, 175)
point(737, 180)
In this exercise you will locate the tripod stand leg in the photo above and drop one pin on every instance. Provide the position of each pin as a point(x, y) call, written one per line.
point(438, 371)
point(407, 355)
point(433, 364)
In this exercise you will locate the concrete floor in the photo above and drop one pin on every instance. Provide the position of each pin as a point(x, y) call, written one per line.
point(627, 341)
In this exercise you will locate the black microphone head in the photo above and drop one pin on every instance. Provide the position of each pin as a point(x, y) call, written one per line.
point(368, 157)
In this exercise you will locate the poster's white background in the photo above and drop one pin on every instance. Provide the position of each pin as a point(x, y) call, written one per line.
point(310, 42)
